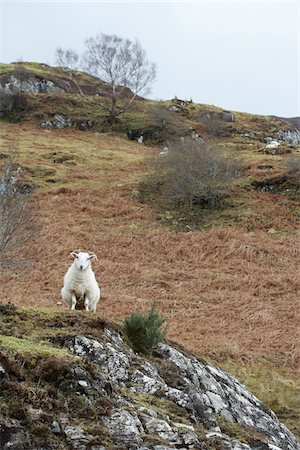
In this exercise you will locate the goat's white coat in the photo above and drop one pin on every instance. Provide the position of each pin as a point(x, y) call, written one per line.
point(80, 282)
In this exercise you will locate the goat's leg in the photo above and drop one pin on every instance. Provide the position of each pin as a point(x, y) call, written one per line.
point(87, 304)
point(74, 301)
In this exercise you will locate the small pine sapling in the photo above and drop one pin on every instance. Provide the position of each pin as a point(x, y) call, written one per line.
point(144, 331)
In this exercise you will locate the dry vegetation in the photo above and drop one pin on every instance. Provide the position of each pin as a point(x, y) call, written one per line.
point(228, 292)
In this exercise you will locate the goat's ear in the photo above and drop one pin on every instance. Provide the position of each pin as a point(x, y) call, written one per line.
point(92, 256)
point(74, 254)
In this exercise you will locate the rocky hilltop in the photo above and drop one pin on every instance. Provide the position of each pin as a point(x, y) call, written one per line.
point(54, 97)
point(70, 381)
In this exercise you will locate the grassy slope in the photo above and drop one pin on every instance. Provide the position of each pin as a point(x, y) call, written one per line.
point(229, 292)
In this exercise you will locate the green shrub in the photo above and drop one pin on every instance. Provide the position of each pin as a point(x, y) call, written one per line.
point(144, 331)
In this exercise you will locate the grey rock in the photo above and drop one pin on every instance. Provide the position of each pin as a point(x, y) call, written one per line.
point(115, 338)
point(249, 135)
point(56, 428)
point(174, 108)
point(85, 125)
point(147, 411)
point(106, 355)
point(216, 401)
point(220, 391)
point(14, 438)
point(189, 438)
point(291, 136)
point(59, 121)
point(227, 116)
point(76, 437)
point(30, 86)
point(145, 384)
point(268, 139)
point(187, 434)
point(162, 429)
point(124, 426)
point(48, 125)
point(159, 447)
point(2, 371)
point(162, 447)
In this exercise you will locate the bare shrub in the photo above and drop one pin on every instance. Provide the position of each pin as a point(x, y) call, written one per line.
point(16, 224)
point(216, 127)
point(168, 128)
point(190, 175)
point(12, 105)
point(7, 102)
point(293, 163)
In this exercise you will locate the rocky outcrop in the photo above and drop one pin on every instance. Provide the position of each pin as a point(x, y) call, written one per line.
point(226, 116)
point(202, 394)
point(32, 85)
point(106, 397)
point(58, 121)
point(292, 137)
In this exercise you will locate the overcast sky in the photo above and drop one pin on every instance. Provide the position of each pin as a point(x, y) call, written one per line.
point(239, 55)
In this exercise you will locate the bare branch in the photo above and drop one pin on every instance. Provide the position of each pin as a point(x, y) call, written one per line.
point(16, 225)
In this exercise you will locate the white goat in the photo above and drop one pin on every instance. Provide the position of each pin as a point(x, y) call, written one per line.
point(80, 282)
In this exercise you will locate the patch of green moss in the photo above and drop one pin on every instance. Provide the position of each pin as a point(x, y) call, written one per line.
point(29, 349)
point(46, 325)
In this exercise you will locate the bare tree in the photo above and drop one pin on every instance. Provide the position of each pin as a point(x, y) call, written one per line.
point(16, 225)
point(70, 61)
point(124, 65)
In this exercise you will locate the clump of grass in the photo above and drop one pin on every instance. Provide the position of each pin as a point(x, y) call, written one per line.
point(244, 433)
point(52, 369)
point(144, 331)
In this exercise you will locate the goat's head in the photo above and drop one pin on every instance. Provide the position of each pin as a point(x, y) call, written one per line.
point(83, 260)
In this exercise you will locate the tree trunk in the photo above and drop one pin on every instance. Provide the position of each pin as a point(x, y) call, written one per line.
point(112, 112)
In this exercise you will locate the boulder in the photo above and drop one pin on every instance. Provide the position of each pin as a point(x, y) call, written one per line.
point(292, 137)
point(14, 438)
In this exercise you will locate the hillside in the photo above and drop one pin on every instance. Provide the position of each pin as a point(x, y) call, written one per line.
point(82, 387)
point(227, 290)
point(295, 121)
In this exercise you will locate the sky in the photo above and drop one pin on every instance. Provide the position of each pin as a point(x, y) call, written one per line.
point(238, 55)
